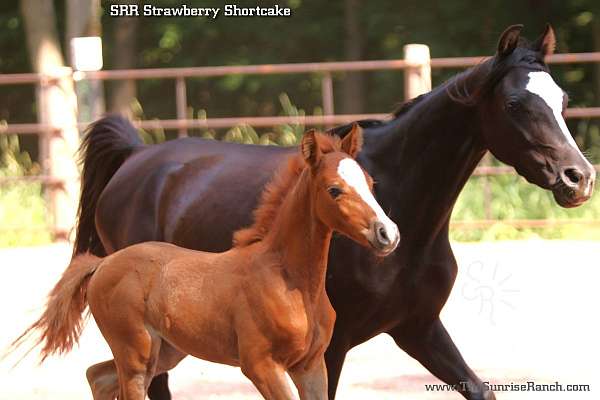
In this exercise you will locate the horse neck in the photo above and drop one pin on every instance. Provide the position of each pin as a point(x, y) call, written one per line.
point(301, 240)
point(426, 155)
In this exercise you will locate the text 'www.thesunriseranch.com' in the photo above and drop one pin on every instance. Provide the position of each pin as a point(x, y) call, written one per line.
point(528, 386)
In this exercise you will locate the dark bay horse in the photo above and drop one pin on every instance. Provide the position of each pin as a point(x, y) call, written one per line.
point(261, 305)
point(196, 193)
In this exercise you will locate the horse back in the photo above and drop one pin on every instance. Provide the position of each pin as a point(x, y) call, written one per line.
point(191, 192)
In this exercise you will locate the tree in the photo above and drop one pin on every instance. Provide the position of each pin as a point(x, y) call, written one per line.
point(353, 84)
point(124, 57)
point(57, 107)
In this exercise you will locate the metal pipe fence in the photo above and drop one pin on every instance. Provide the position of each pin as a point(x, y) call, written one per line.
point(325, 69)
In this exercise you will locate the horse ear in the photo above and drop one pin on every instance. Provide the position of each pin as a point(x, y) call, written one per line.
point(546, 44)
point(311, 152)
point(509, 40)
point(353, 141)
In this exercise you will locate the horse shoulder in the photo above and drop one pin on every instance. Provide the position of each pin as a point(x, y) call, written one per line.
point(280, 308)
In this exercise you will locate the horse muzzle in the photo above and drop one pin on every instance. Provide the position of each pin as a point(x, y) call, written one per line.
point(383, 237)
point(574, 186)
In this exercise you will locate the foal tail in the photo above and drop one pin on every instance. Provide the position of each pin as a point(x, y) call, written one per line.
point(62, 322)
point(107, 144)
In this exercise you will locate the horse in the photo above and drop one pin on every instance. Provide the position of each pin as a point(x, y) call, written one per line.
point(261, 305)
point(196, 193)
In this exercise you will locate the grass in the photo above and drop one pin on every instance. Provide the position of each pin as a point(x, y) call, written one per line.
point(513, 198)
point(22, 206)
point(24, 217)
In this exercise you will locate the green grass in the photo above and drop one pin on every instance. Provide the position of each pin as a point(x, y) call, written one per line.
point(24, 216)
point(513, 198)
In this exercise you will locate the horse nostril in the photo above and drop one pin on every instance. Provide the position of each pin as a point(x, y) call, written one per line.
point(383, 234)
point(573, 175)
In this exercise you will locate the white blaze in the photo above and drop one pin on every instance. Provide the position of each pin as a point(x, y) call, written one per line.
point(541, 84)
point(352, 174)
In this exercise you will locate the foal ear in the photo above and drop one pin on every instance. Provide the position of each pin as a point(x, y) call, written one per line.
point(546, 44)
point(311, 152)
point(353, 141)
point(509, 40)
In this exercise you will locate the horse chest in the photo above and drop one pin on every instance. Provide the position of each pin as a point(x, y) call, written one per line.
point(298, 328)
point(405, 287)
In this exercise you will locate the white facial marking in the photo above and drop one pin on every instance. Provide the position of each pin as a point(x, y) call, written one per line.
point(352, 174)
point(541, 84)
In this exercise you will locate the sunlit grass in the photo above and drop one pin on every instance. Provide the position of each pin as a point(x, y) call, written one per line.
point(513, 198)
point(23, 216)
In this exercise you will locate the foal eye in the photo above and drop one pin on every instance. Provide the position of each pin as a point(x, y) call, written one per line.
point(334, 191)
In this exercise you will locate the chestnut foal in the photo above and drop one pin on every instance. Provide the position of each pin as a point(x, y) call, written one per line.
point(261, 305)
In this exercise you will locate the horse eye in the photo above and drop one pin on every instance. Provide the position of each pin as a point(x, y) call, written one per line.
point(334, 191)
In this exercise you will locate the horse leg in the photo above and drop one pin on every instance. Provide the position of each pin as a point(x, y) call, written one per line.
point(269, 378)
point(136, 352)
point(433, 347)
point(159, 387)
point(168, 358)
point(103, 380)
point(311, 383)
point(335, 355)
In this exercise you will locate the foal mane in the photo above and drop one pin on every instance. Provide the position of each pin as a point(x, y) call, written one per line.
point(276, 191)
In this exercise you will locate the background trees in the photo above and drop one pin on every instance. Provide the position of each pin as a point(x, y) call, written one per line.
point(317, 31)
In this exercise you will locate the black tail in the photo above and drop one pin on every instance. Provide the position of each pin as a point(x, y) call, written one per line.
point(108, 142)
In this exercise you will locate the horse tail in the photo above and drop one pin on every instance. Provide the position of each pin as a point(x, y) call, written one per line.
point(108, 142)
point(62, 322)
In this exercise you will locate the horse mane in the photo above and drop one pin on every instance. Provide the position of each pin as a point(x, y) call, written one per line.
point(276, 190)
point(342, 130)
point(467, 88)
point(474, 84)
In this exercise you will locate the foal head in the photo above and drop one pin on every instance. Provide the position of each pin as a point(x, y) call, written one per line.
point(341, 191)
point(523, 118)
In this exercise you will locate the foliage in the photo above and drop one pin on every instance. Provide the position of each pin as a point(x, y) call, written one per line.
point(513, 198)
point(280, 135)
point(317, 32)
point(23, 211)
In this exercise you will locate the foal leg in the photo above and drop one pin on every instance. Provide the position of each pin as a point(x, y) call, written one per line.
point(433, 347)
point(103, 380)
point(136, 352)
point(311, 383)
point(168, 359)
point(269, 378)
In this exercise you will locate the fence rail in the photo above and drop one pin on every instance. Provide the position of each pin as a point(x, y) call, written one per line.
point(419, 68)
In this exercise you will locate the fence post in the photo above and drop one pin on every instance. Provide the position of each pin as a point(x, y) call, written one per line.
point(417, 77)
point(181, 103)
point(58, 110)
point(327, 93)
point(86, 55)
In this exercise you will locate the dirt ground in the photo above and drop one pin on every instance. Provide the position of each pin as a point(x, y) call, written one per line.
point(519, 312)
